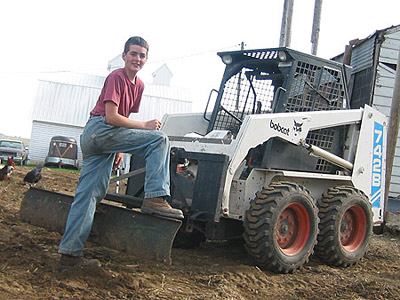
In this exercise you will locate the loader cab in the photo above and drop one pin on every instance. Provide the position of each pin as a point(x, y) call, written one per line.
point(280, 80)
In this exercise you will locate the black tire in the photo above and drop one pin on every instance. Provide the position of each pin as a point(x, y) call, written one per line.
point(267, 224)
point(345, 227)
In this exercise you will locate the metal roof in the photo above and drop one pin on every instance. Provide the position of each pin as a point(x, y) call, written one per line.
point(68, 98)
point(86, 80)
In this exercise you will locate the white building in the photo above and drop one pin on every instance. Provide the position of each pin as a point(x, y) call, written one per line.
point(374, 62)
point(64, 101)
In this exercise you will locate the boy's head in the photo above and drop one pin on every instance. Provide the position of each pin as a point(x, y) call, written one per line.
point(136, 40)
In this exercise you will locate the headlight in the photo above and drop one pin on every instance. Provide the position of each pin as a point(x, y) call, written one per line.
point(282, 56)
point(227, 59)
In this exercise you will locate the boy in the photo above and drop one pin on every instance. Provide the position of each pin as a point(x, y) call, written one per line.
point(107, 135)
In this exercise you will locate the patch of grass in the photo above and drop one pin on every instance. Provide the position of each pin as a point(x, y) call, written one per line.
point(62, 169)
point(51, 168)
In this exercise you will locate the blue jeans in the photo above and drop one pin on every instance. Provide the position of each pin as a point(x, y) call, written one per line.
point(99, 143)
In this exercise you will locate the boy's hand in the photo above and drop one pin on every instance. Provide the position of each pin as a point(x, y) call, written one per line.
point(153, 125)
point(117, 160)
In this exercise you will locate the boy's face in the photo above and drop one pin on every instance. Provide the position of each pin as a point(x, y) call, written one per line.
point(135, 58)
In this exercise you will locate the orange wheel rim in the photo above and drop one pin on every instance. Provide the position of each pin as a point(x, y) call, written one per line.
point(353, 228)
point(293, 229)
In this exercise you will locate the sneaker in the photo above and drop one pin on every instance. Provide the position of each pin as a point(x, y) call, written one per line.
point(159, 206)
point(69, 261)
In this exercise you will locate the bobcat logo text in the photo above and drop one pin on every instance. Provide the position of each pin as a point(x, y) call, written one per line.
point(279, 128)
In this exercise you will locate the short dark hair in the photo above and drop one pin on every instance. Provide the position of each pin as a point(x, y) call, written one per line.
point(135, 40)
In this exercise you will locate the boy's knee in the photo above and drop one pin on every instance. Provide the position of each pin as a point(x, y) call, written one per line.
point(162, 136)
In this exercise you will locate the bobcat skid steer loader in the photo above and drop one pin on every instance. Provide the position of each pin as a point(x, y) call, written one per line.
point(280, 161)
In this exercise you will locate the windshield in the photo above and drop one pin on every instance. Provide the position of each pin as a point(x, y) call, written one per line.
point(11, 144)
point(249, 91)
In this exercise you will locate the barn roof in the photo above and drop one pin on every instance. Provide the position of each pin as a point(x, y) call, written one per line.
point(68, 98)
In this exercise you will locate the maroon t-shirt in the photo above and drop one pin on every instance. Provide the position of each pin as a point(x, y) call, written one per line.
point(120, 90)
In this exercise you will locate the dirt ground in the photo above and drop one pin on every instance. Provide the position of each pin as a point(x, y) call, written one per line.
point(29, 260)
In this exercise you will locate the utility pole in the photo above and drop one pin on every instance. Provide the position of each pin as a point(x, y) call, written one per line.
point(393, 130)
point(286, 26)
point(242, 44)
point(316, 26)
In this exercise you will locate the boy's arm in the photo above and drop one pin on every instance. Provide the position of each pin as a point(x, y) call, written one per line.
point(115, 119)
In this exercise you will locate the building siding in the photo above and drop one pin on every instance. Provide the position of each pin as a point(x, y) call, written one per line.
point(383, 92)
point(362, 56)
point(64, 103)
point(42, 132)
point(374, 63)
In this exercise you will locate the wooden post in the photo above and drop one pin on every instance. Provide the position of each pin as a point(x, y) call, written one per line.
point(316, 26)
point(286, 26)
point(393, 131)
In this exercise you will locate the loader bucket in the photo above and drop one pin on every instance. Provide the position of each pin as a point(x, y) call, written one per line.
point(142, 235)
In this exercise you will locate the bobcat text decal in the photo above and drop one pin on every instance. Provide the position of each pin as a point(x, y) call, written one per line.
point(279, 128)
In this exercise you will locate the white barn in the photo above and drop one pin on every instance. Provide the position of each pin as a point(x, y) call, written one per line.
point(374, 62)
point(64, 101)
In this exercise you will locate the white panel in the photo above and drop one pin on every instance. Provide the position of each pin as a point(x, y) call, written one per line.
point(383, 109)
point(394, 190)
point(397, 153)
point(386, 76)
point(64, 103)
point(395, 179)
point(383, 97)
point(391, 43)
point(394, 32)
point(383, 90)
point(389, 55)
point(390, 46)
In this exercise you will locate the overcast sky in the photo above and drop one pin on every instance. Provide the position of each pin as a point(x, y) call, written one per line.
point(40, 36)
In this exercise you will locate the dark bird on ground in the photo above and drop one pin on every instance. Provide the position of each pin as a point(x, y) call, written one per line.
point(6, 171)
point(33, 176)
